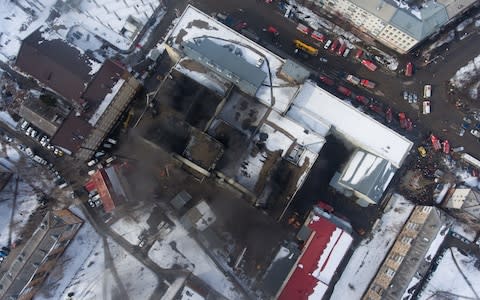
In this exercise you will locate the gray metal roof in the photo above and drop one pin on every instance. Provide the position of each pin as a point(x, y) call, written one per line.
point(432, 18)
point(367, 174)
point(295, 71)
point(223, 58)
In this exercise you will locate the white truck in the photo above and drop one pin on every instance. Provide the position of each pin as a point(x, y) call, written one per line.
point(353, 79)
point(427, 91)
point(40, 160)
point(426, 107)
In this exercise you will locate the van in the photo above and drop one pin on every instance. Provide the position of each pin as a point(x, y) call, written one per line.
point(96, 198)
point(24, 125)
point(327, 44)
point(112, 141)
point(99, 154)
point(39, 160)
point(92, 162)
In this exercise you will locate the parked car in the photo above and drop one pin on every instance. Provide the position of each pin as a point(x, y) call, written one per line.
point(8, 139)
point(409, 69)
point(422, 151)
point(362, 99)
point(327, 44)
point(334, 46)
point(24, 125)
point(475, 133)
point(92, 162)
point(318, 36)
point(359, 54)
point(326, 80)
point(344, 91)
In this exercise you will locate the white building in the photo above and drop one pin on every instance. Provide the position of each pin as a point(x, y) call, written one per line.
point(396, 25)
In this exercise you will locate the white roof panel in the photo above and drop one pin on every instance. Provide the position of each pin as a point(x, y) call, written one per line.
point(356, 126)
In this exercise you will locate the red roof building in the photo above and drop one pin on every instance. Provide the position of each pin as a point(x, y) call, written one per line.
point(108, 186)
point(322, 254)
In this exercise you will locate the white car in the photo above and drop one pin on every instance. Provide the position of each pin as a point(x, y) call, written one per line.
point(327, 44)
point(24, 125)
point(475, 133)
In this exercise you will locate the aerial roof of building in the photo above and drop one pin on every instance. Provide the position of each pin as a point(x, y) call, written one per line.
point(194, 23)
point(431, 19)
point(222, 58)
point(367, 174)
point(102, 83)
point(381, 8)
point(314, 107)
point(103, 186)
point(294, 71)
point(73, 132)
point(322, 254)
point(419, 20)
point(56, 64)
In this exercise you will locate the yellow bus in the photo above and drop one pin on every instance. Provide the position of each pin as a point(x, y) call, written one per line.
point(304, 47)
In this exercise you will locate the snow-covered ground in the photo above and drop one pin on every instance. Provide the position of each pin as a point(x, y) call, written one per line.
point(369, 255)
point(91, 271)
point(467, 77)
point(131, 228)
point(436, 243)
point(17, 20)
point(85, 23)
point(7, 119)
point(448, 281)
point(179, 248)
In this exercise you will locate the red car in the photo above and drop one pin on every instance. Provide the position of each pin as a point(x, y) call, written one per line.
point(359, 54)
point(240, 26)
point(273, 30)
point(326, 80)
point(446, 147)
point(334, 46)
point(362, 99)
point(318, 36)
point(389, 115)
point(409, 70)
point(342, 49)
point(403, 120)
point(367, 83)
point(376, 108)
point(344, 91)
point(303, 28)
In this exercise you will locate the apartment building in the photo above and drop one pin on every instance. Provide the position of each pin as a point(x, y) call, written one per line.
point(406, 256)
point(398, 26)
point(39, 255)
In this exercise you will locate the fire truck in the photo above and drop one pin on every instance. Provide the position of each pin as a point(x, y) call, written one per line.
point(369, 65)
